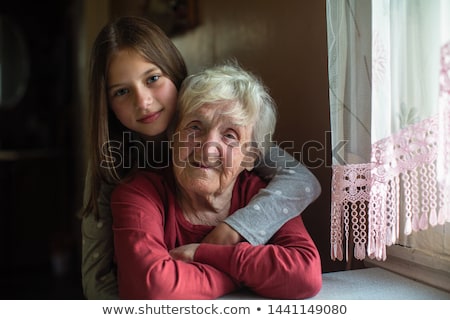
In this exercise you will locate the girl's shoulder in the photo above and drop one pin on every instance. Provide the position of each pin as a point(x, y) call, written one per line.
point(145, 178)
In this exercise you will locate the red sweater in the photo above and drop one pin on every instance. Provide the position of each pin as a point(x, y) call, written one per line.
point(148, 223)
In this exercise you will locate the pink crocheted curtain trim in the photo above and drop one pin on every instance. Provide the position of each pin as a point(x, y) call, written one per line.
point(367, 199)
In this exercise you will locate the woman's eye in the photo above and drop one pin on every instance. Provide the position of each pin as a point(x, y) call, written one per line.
point(153, 79)
point(192, 126)
point(193, 131)
point(231, 136)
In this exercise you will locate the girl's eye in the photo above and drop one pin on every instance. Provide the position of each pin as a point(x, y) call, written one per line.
point(153, 79)
point(120, 92)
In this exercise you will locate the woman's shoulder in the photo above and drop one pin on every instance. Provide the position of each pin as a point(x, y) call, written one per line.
point(251, 177)
point(249, 183)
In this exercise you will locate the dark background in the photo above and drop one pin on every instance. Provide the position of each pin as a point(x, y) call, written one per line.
point(39, 237)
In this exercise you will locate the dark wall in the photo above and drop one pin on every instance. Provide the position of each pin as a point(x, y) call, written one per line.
point(38, 241)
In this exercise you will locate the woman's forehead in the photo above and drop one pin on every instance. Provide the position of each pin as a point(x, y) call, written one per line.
point(220, 112)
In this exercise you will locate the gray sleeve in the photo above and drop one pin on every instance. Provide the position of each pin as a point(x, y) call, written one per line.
point(99, 279)
point(291, 189)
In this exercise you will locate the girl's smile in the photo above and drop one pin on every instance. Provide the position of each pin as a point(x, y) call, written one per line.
point(150, 117)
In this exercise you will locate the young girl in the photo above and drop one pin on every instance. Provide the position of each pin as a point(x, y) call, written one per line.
point(135, 75)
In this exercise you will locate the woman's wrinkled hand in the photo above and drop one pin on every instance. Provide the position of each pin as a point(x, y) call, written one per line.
point(184, 253)
point(223, 234)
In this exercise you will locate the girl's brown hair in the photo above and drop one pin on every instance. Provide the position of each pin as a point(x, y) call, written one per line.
point(125, 33)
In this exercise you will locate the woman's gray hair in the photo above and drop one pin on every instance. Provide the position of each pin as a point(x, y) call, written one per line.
point(228, 82)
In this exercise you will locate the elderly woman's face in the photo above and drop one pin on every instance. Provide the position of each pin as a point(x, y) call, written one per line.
point(210, 150)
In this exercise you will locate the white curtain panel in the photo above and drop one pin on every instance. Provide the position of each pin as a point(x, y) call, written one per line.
point(389, 75)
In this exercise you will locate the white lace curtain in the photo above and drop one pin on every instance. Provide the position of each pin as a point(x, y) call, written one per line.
point(389, 75)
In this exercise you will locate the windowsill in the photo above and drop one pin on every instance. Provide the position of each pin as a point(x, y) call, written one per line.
point(366, 284)
point(417, 265)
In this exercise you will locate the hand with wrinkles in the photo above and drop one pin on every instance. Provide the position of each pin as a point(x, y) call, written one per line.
point(223, 234)
point(185, 253)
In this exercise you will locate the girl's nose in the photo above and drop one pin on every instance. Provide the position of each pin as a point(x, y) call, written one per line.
point(143, 99)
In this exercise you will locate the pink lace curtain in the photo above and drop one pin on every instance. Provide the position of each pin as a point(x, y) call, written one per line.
point(389, 71)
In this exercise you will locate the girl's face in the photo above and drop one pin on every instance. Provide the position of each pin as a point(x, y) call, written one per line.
point(142, 98)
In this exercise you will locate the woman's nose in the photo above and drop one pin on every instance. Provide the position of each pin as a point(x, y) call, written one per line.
point(211, 148)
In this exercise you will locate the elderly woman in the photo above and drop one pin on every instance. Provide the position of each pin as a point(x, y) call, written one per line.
point(161, 218)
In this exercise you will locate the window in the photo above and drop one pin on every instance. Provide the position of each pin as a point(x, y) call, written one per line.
point(389, 71)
